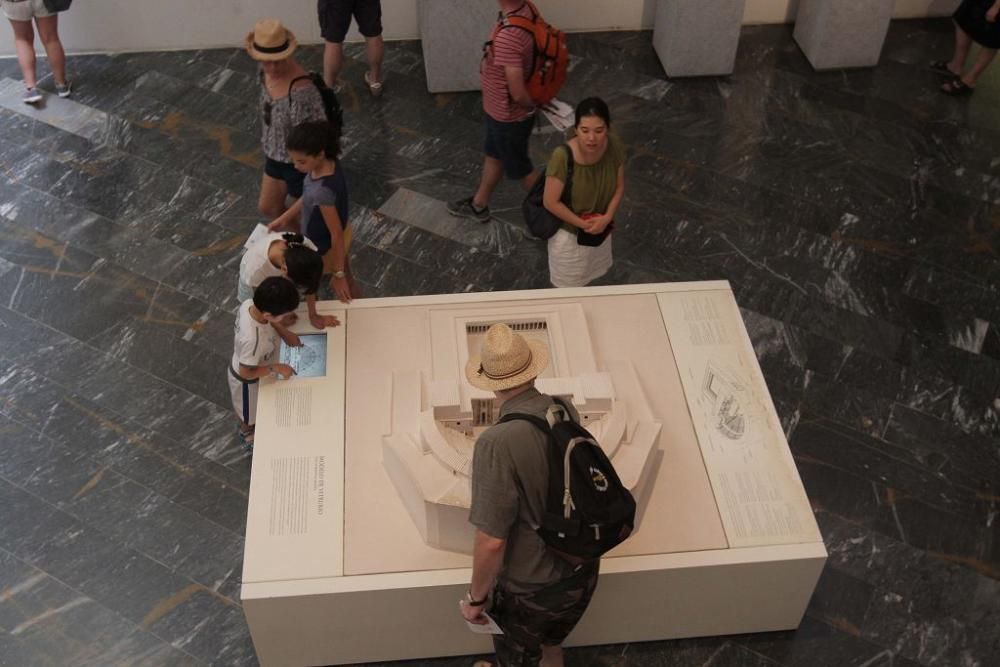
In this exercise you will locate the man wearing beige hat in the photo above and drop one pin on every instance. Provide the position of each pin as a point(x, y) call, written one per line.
point(535, 596)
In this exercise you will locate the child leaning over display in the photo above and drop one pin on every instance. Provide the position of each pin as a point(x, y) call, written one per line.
point(290, 255)
point(256, 346)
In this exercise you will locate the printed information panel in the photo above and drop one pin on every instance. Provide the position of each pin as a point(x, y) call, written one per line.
point(757, 488)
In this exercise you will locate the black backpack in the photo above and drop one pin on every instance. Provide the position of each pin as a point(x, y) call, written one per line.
point(541, 223)
point(334, 112)
point(588, 511)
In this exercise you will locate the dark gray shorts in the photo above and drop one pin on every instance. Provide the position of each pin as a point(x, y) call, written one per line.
point(335, 18)
point(508, 142)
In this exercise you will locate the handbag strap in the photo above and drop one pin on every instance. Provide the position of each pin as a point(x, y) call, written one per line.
point(567, 193)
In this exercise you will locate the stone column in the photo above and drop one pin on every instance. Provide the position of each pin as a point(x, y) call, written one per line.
point(842, 33)
point(697, 37)
point(452, 34)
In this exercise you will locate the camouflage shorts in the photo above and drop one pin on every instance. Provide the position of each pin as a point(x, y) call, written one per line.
point(540, 618)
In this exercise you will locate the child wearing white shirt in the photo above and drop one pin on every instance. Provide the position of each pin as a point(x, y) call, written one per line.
point(286, 255)
point(256, 344)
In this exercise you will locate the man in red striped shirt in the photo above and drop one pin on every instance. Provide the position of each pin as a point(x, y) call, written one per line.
point(510, 112)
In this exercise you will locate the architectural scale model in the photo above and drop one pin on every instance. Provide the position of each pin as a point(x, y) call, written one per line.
point(436, 417)
point(360, 488)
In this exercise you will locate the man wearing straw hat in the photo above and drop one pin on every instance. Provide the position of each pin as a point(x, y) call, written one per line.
point(535, 596)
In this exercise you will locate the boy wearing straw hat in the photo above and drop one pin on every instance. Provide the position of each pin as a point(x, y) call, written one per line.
point(535, 596)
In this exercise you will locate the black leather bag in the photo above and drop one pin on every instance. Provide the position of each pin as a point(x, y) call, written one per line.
point(594, 240)
point(57, 5)
point(542, 224)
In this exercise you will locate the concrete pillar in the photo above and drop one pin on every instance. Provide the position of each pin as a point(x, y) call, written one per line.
point(836, 34)
point(452, 34)
point(698, 37)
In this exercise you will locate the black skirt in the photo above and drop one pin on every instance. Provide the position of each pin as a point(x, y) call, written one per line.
point(971, 17)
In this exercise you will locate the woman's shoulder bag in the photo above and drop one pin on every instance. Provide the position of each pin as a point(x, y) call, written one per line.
point(541, 223)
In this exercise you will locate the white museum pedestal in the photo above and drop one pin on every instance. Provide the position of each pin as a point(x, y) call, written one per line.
point(697, 38)
point(336, 569)
point(452, 34)
point(842, 34)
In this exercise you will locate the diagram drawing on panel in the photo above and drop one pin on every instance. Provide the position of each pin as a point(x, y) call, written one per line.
point(733, 414)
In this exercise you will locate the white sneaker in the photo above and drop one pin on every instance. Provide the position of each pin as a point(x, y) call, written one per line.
point(31, 96)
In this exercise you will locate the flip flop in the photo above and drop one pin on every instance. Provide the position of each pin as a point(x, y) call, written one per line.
point(375, 88)
point(957, 88)
point(941, 67)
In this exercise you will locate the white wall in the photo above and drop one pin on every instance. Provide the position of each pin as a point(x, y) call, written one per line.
point(153, 25)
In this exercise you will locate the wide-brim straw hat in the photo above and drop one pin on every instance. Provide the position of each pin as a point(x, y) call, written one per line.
point(270, 41)
point(507, 360)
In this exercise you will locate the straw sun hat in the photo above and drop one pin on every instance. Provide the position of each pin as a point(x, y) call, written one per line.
point(270, 41)
point(507, 360)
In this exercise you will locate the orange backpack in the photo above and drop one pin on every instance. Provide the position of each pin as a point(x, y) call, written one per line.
point(550, 60)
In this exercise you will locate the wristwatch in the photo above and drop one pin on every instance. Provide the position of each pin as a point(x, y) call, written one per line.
point(339, 274)
point(470, 602)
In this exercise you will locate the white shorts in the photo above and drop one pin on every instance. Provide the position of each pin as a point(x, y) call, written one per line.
point(24, 10)
point(244, 395)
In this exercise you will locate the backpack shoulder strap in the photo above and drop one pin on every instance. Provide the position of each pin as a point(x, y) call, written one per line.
point(567, 198)
point(308, 77)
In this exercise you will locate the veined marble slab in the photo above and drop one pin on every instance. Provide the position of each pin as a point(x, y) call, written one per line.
point(841, 34)
point(697, 38)
point(452, 34)
point(429, 214)
point(65, 114)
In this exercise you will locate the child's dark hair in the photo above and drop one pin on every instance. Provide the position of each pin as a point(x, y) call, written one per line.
point(276, 296)
point(316, 137)
point(304, 265)
point(593, 106)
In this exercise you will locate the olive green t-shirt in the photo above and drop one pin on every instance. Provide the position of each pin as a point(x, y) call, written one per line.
point(593, 184)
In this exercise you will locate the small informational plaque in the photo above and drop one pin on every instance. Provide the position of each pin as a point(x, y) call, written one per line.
point(298, 493)
point(309, 360)
point(760, 498)
point(293, 407)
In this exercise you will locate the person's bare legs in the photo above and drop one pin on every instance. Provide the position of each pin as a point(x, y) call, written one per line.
point(48, 33)
point(528, 181)
point(375, 50)
point(24, 44)
point(333, 62)
point(272, 196)
point(492, 174)
point(552, 656)
point(983, 61)
point(963, 42)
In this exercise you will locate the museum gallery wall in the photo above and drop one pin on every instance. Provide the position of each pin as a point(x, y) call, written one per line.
point(153, 25)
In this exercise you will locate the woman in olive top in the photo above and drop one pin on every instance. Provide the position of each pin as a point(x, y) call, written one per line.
point(580, 251)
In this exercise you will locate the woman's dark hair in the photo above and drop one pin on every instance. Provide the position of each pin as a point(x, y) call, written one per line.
point(276, 296)
point(593, 106)
point(304, 265)
point(316, 137)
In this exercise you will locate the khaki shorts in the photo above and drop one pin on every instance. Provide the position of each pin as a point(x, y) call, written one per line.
point(24, 10)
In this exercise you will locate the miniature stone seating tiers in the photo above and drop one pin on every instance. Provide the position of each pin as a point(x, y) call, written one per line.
point(451, 35)
point(698, 38)
point(842, 34)
point(436, 422)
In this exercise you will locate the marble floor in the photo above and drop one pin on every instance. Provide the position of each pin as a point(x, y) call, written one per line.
point(856, 214)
